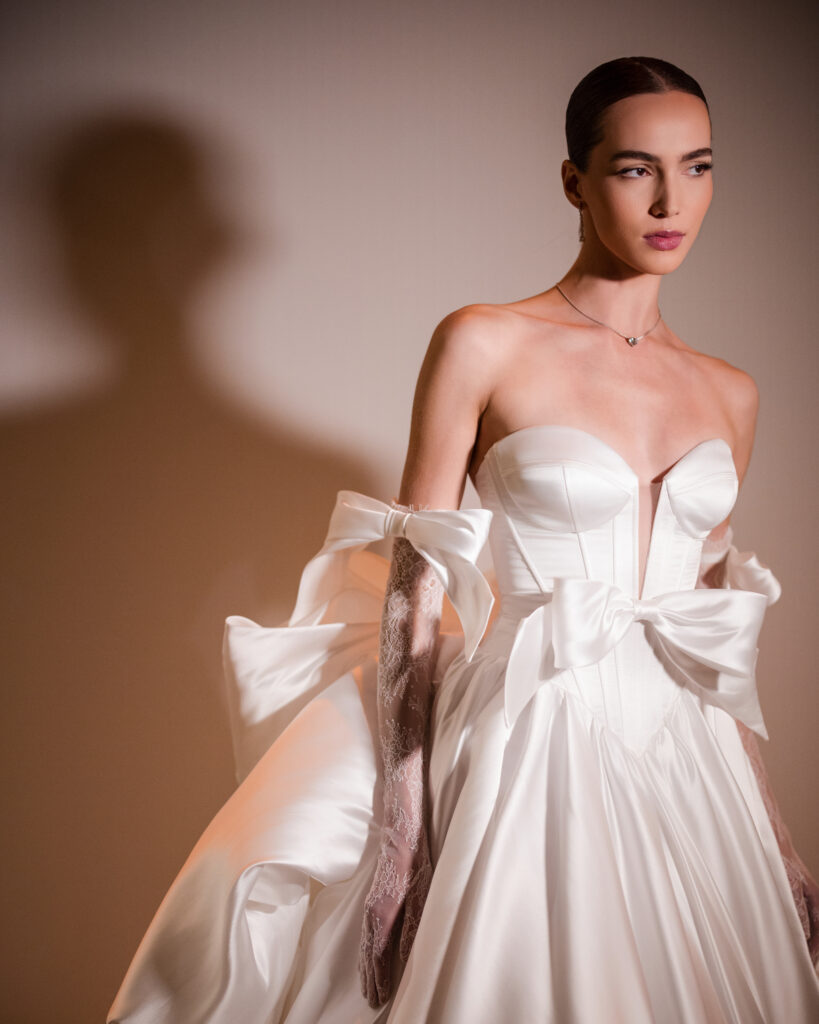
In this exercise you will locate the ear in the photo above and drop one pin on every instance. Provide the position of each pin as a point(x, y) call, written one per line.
point(571, 183)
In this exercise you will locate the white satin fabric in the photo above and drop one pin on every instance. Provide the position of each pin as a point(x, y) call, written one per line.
point(601, 849)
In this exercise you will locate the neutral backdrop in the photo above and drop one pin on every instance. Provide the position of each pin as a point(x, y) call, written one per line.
point(229, 230)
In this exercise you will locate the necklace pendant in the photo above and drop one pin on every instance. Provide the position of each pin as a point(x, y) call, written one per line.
point(632, 341)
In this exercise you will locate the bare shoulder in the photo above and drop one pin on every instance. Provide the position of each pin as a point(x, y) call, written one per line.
point(737, 393)
point(455, 381)
point(478, 342)
point(466, 353)
point(471, 332)
point(737, 388)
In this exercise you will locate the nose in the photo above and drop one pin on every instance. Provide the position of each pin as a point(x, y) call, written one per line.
point(666, 201)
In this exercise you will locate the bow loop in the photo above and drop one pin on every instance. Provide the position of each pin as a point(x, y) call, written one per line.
point(744, 571)
point(709, 636)
point(449, 539)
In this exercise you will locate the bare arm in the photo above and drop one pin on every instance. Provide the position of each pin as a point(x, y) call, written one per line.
point(453, 389)
point(449, 399)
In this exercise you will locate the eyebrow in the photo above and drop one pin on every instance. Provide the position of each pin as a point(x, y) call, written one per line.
point(639, 154)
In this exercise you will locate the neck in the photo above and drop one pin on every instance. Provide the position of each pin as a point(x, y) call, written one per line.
point(627, 301)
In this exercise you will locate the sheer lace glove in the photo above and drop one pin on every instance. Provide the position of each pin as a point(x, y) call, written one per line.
point(409, 630)
point(714, 572)
point(803, 885)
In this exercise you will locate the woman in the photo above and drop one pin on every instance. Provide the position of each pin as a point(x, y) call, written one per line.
point(565, 817)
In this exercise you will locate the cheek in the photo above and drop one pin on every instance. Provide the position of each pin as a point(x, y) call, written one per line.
point(620, 211)
point(698, 205)
point(621, 205)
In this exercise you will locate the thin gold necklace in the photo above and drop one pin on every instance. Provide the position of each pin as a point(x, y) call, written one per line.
point(631, 340)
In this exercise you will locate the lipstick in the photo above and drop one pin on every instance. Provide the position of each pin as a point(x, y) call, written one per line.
point(664, 239)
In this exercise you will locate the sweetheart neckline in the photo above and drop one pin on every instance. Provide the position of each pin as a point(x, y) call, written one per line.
point(604, 444)
point(635, 479)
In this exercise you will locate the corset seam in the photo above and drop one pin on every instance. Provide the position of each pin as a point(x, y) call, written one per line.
point(510, 522)
point(617, 667)
point(637, 752)
point(585, 561)
point(575, 526)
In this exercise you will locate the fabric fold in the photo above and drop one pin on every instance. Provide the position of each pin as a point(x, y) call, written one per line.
point(273, 672)
point(710, 636)
point(449, 539)
point(744, 571)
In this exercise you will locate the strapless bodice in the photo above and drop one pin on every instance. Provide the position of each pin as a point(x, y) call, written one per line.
point(565, 503)
point(564, 537)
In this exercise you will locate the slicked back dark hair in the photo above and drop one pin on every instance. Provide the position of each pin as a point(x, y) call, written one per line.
point(613, 81)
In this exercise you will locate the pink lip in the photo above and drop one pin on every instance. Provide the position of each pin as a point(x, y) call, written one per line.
point(664, 239)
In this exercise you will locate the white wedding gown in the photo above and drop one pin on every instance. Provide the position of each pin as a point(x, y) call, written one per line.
point(602, 851)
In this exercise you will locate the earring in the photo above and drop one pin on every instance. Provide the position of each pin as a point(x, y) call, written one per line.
point(580, 233)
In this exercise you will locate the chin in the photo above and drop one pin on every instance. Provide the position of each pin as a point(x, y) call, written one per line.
point(660, 263)
point(664, 266)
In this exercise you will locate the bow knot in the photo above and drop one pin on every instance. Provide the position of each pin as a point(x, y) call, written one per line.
point(395, 524)
point(647, 609)
point(449, 539)
point(709, 636)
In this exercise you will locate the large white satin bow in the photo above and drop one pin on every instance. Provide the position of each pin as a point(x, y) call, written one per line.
point(273, 672)
point(709, 636)
point(449, 539)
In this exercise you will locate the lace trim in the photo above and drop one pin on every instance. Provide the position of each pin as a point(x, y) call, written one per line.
point(409, 631)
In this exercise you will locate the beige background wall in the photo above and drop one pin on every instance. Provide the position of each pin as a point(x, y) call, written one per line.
point(228, 232)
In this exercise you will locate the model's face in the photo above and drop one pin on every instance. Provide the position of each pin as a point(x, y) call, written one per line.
point(665, 185)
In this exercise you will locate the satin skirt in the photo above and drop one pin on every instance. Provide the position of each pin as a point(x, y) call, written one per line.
point(576, 880)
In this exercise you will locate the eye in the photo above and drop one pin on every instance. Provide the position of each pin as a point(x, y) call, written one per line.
point(628, 170)
point(701, 169)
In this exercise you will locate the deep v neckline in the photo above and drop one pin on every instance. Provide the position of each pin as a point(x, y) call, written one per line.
point(635, 483)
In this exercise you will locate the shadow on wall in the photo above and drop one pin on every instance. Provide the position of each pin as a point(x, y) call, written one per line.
point(137, 521)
